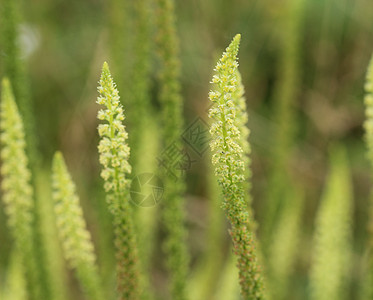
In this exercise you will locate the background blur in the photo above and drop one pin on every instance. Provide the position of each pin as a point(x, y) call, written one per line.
point(326, 46)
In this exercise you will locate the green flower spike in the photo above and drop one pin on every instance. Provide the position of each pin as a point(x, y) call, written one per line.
point(72, 230)
point(241, 122)
point(173, 215)
point(114, 155)
point(16, 187)
point(331, 267)
point(228, 159)
point(368, 126)
point(368, 100)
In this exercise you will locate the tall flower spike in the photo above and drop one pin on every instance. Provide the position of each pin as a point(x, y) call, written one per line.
point(226, 146)
point(368, 100)
point(241, 122)
point(16, 187)
point(368, 126)
point(333, 233)
point(172, 124)
point(14, 68)
point(72, 230)
point(52, 254)
point(139, 102)
point(114, 155)
point(285, 115)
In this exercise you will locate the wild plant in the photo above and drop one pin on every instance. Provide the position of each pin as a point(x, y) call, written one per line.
point(133, 75)
point(16, 187)
point(333, 233)
point(147, 217)
point(285, 114)
point(281, 217)
point(131, 36)
point(368, 126)
point(368, 101)
point(114, 155)
point(28, 203)
point(289, 75)
point(14, 67)
point(230, 170)
point(167, 46)
point(120, 41)
point(140, 83)
point(76, 240)
point(52, 252)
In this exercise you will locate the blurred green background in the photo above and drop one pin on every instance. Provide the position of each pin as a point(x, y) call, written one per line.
point(330, 42)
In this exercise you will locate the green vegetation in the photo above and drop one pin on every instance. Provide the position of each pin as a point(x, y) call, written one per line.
point(114, 155)
point(332, 253)
point(258, 189)
point(16, 187)
point(228, 153)
point(75, 238)
point(172, 123)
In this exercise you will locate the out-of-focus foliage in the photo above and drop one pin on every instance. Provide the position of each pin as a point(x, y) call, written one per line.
point(78, 249)
point(172, 123)
point(331, 257)
point(17, 192)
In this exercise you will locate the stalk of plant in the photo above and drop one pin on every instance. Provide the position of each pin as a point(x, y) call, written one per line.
point(368, 101)
point(139, 102)
point(333, 234)
point(53, 258)
point(368, 126)
point(14, 69)
point(289, 75)
point(16, 187)
point(285, 97)
point(205, 278)
point(141, 128)
point(76, 240)
point(130, 35)
point(15, 281)
point(119, 24)
point(210, 274)
point(114, 155)
point(285, 246)
point(230, 170)
point(119, 19)
point(205, 282)
point(147, 216)
point(172, 124)
point(228, 287)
